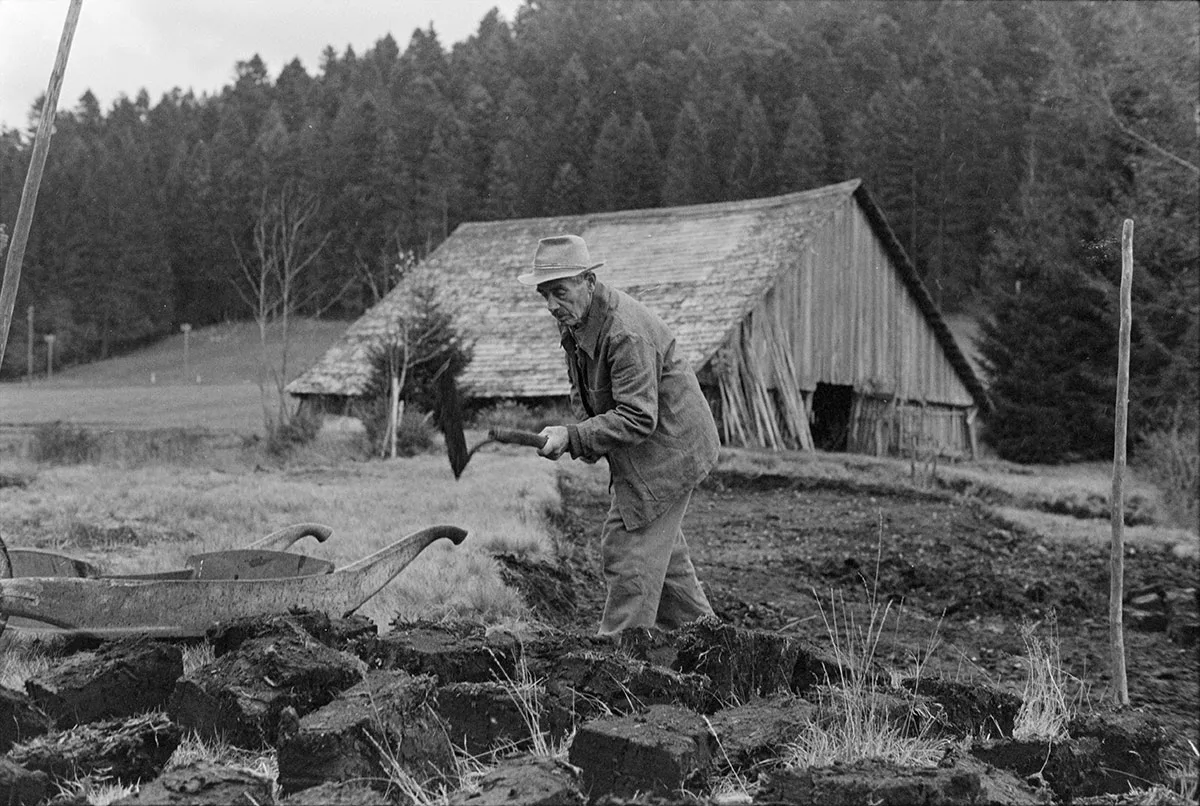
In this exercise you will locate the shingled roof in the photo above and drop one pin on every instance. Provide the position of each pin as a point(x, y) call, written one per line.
point(700, 267)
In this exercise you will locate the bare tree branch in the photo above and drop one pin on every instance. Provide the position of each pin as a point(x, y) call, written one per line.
point(1106, 100)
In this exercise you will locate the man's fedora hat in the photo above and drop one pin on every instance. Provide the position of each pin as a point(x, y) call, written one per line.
point(559, 257)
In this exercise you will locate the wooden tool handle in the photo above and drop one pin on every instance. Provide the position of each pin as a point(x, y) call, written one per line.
point(512, 436)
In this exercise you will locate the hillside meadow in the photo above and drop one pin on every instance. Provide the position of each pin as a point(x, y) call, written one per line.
point(216, 386)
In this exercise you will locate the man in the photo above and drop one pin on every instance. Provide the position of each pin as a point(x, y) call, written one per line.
point(640, 406)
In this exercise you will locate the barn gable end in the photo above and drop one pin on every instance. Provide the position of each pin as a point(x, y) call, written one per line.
point(774, 302)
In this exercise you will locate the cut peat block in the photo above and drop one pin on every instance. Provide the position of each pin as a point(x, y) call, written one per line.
point(239, 696)
point(659, 751)
point(388, 720)
point(121, 679)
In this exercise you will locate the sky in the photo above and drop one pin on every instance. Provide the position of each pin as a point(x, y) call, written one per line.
point(123, 46)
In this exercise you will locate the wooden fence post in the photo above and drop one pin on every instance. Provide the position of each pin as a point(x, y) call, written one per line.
point(1116, 633)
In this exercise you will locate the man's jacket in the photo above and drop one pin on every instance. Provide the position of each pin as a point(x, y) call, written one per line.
point(640, 406)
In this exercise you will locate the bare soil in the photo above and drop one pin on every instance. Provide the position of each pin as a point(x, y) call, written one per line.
point(798, 555)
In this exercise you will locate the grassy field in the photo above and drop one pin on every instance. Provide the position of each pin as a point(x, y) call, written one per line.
point(151, 518)
point(192, 497)
point(150, 513)
point(217, 389)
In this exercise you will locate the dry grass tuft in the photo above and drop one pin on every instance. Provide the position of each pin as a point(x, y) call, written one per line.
point(400, 782)
point(193, 749)
point(96, 793)
point(529, 695)
point(1046, 707)
point(856, 713)
point(20, 661)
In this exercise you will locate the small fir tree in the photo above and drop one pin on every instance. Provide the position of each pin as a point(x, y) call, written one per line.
point(1050, 353)
point(422, 342)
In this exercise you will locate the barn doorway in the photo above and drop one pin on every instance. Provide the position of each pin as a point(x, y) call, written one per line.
point(831, 405)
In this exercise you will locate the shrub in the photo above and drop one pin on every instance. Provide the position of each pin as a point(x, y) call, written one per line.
point(157, 446)
point(415, 435)
point(1171, 460)
point(524, 416)
point(291, 432)
point(60, 443)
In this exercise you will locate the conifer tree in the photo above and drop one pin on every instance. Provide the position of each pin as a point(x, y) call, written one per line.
point(478, 114)
point(688, 173)
point(643, 166)
point(1050, 353)
point(439, 184)
point(751, 171)
point(503, 183)
point(606, 174)
point(722, 107)
point(575, 138)
point(647, 87)
point(566, 194)
point(882, 148)
point(294, 90)
point(804, 155)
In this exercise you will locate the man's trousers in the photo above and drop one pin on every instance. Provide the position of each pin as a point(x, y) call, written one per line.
point(649, 572)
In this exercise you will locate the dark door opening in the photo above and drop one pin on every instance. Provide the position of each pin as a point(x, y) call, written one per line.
point(831, 416)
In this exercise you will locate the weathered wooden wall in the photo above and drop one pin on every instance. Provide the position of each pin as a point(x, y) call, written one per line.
point(851, 320)
point(893, 427)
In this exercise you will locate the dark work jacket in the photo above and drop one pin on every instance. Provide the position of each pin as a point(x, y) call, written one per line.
point(640, 406)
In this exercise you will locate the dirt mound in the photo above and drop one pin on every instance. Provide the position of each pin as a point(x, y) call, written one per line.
point(651, 715)
point(783, 554)
point(795, 570)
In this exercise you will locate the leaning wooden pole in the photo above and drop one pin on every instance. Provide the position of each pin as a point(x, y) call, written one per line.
point(33, 177)
point(1116, 632)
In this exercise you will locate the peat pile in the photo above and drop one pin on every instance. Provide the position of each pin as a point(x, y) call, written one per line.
point(659, 717)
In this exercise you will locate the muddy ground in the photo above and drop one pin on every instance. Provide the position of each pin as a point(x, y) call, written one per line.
point(775, 551)
point(779, 554)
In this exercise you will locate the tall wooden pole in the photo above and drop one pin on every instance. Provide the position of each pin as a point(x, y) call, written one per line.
point(1116, 633)
point(33, 177)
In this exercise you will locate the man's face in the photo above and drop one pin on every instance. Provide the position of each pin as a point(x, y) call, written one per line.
point(568, 299)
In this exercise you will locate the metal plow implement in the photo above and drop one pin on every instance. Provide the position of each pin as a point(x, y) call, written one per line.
point(71, 598)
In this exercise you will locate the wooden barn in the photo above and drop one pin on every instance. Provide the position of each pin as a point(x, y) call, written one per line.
point(803, 317)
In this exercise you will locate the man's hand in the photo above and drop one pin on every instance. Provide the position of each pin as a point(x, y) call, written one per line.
point(557, 441)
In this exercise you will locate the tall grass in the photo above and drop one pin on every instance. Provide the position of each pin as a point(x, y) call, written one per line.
point(60, 443)
point(1171, 458)
point(1047, 707)
point(168, 513)
point(529, 696)
point(856, 712)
